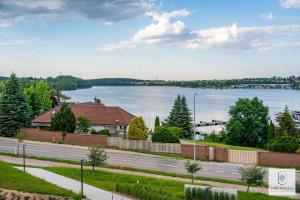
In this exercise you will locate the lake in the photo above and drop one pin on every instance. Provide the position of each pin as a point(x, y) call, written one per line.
point(151, 101)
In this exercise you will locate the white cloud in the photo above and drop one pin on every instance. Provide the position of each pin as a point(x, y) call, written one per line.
point(290, 3)
point(234, 37)
point(164, 30)
point(268, 16)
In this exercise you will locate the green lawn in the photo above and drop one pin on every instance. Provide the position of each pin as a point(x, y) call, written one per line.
point(14, 179)
point(108, 180)
point(217, 144)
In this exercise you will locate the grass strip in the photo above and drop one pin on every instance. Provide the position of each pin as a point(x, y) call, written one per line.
point(109, 180)
point(14, 179)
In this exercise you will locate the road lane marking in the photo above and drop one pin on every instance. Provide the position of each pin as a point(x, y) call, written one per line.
point(219, 171)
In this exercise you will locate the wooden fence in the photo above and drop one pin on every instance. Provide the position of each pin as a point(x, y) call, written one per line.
point(238, 156)
point(143, 145)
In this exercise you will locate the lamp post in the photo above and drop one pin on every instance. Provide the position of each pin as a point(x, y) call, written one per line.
point(24, 157)
point(195, 126)
point(81, 176)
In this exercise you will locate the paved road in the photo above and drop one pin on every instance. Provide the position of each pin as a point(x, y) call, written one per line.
point(123, 158)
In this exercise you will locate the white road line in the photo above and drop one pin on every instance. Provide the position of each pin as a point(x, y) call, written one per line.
point(219, 171)
point(235, 173)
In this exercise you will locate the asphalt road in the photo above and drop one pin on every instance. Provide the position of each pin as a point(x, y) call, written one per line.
point(124, 158)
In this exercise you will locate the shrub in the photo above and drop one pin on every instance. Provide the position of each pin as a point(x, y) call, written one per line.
point(137, 129)
point(284, 143)
point(144, 192)
point(64, 119)
point(163, 134)
point(93, 131)
point(83, 125)
point(104, 132)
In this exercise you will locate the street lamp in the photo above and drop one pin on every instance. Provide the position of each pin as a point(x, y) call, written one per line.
point(195, 126)
point(24, 157)
point(81, 177)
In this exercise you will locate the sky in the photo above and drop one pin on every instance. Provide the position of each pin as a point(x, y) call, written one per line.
point(150, 39)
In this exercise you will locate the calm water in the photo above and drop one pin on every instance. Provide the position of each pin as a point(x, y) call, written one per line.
point(210, 103)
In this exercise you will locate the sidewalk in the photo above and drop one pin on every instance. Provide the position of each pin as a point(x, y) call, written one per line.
point(89, 191)
point(42, 163)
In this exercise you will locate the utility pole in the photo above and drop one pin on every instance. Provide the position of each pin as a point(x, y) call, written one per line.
point(194, 126)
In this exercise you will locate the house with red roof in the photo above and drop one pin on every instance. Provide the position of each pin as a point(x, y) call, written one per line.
point(115, 119)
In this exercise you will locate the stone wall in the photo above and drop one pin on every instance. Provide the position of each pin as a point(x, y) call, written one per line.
point(279, 159)
point(202, 151)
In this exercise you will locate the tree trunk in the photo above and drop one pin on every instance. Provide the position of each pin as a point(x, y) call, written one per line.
point(248, 188)
point(93, 167)
point(192, 179)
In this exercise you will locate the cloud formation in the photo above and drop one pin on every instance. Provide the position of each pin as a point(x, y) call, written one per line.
point(13, 11)
point(165, 30)
point(290, 3)
point(268, 16)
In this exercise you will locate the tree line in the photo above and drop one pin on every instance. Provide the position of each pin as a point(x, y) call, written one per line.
point(67, 82)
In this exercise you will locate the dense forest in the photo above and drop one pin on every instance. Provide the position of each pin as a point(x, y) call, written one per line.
point(68, 82)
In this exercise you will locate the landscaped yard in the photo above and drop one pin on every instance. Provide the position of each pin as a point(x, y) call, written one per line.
point(14, 179)
point(218, 144)
point(107, 181)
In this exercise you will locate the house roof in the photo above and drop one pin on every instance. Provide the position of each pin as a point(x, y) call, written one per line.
point(98, 114)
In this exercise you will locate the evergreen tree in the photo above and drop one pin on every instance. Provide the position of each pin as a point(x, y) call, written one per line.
point(157, 122)
point(186, 118)
point(180, 116)
point(286, 123)
point(271, 130)
point(137, 129)
point(64, 120)
point(13, 109)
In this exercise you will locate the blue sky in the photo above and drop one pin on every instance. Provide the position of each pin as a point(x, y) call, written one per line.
point(182, 40)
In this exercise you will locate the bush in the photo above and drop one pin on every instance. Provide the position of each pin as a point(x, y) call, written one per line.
point(284, 143)
point(104, 132)
point(83, 125)
point(200, 194)
point(163, 134)
point(137, 129)
point(144, 192)
point(93, 131)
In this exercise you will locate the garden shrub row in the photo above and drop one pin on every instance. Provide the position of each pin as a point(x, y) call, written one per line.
point(144, 192)
point(200, 194)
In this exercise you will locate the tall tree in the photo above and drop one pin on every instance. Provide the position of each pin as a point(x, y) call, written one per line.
point(38, 98)
point(271, 130)
point(248, 123)
point(157, 122)
point(13, 108)
point(64, 120)
point(180, 116)
point(137, 129)
point(286, 123)
point(84, 124)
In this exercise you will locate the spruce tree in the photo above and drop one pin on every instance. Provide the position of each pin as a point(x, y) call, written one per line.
point(286, 123)
point(186, 118)
point(64, 120)
point(13, 109)
point(157, 122)
point(180, 116)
